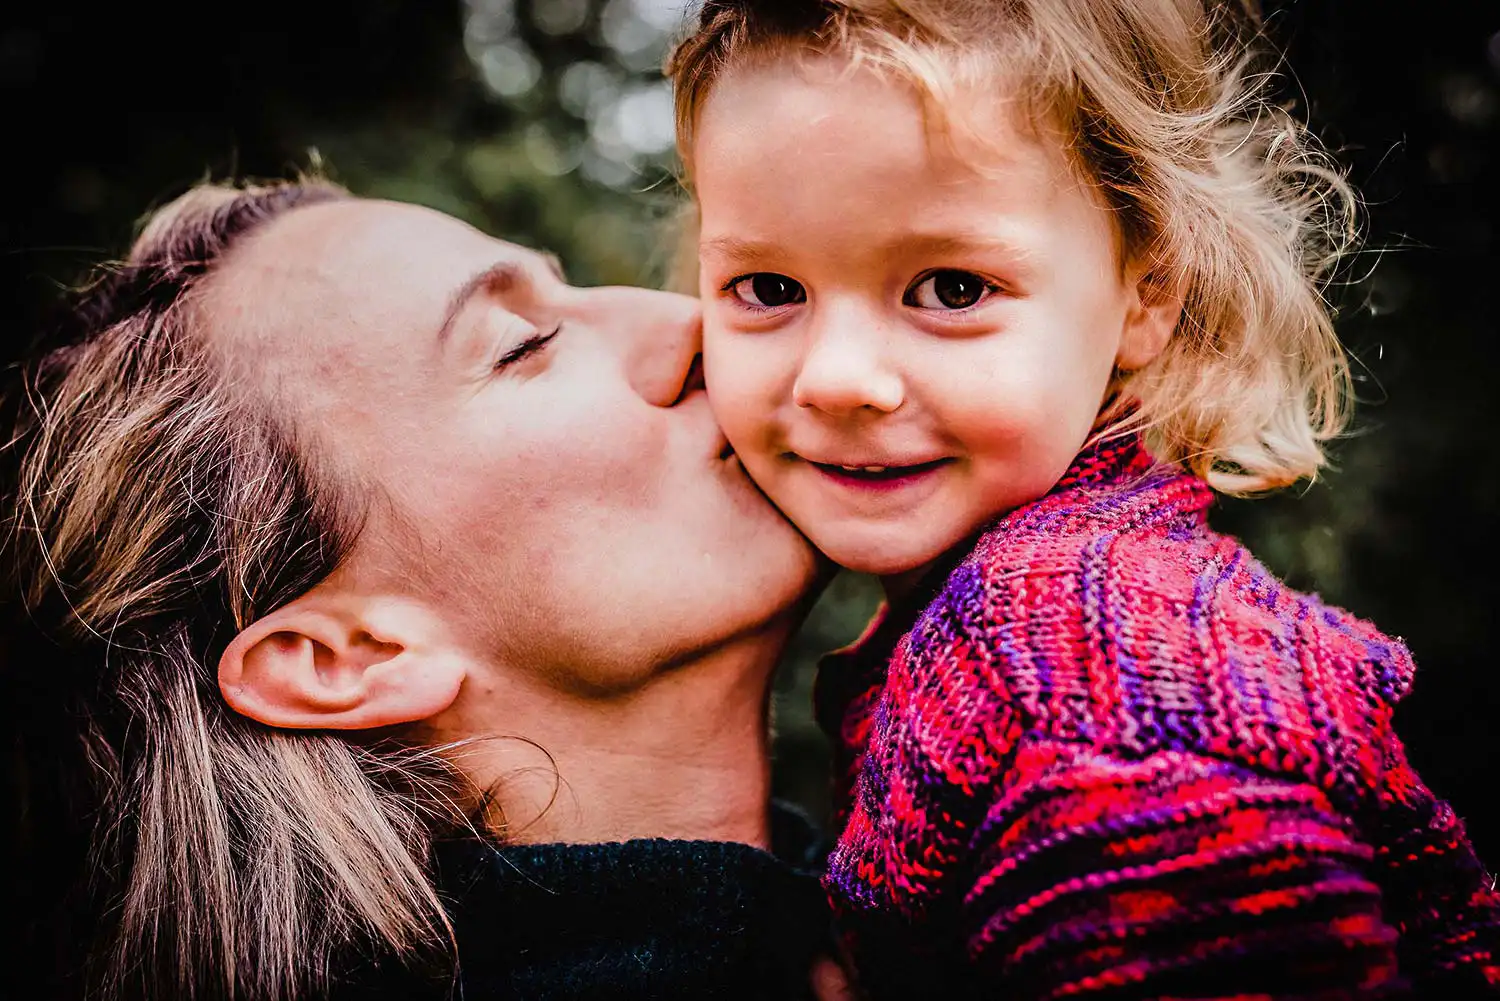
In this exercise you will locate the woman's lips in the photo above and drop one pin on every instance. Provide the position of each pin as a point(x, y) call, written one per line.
point(878, 478)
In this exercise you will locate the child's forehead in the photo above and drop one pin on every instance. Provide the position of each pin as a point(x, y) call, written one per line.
point(864, 181)
point(988, 126)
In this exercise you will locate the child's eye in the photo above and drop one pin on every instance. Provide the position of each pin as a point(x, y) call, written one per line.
point(767, 290)
point(948, 289)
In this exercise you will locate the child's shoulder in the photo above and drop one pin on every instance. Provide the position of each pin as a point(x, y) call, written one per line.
point(1116, 616)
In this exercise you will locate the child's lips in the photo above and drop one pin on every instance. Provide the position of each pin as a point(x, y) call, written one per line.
point(878, 477)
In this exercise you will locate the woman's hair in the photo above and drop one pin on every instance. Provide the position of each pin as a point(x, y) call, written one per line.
point(154, 507)
point(1160, 103)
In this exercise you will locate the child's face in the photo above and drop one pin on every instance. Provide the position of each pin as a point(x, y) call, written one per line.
point(871, 301)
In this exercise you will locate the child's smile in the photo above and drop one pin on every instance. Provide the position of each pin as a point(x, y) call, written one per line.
point(901, 346)
point(872, 484)
point(880, 477)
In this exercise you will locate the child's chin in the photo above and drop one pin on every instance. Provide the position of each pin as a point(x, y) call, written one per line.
point(880, 561)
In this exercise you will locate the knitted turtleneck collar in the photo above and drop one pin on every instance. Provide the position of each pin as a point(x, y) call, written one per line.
point(650, 918)
point(1103, 464)
point(1110, 461)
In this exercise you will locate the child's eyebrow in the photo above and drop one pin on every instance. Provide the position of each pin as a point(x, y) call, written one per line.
point(734, 248)
point(950, 244)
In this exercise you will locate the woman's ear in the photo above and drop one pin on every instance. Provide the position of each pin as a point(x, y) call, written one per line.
point(1154, 312)
point(340, 662)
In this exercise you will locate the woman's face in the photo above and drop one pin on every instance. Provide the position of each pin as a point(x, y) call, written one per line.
point(541, 461)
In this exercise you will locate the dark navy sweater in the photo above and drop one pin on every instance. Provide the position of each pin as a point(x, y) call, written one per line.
point(647, 919)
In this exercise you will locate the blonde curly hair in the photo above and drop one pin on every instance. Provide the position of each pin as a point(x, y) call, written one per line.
point(1166, 107)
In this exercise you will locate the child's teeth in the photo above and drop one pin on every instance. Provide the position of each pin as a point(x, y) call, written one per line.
point(874, 469)
point(865, 469)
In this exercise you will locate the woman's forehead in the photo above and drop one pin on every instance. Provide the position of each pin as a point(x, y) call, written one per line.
point(351, 272)
point(361, 243)
point(332, 313)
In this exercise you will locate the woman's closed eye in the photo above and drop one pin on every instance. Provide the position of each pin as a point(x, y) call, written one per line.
point(526, 348)
point(766, 290)
point(949, 290)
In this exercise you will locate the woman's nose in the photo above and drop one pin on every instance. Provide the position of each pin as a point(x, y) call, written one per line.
point(844, 371)
point(660, 338)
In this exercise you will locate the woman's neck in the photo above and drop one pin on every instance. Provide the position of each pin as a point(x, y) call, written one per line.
point(686, 756)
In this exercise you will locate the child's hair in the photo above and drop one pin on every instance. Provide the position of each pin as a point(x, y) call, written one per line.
point(1162, 107)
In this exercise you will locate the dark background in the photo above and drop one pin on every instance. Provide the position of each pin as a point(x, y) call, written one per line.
point(547, 123)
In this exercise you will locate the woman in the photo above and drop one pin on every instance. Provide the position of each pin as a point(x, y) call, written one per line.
point(337, 525)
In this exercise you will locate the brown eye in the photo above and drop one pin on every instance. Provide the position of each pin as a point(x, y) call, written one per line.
point(768, 290)
point(949, 289)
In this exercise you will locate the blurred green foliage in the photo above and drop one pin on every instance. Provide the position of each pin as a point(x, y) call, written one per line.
point(547, 122)
point(556, 131)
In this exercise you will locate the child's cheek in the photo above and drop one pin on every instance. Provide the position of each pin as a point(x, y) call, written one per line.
point(742, 387)
point(1013, 420)
point(982, 402)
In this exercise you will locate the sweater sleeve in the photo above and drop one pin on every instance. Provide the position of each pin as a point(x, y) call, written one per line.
point(1172, 875)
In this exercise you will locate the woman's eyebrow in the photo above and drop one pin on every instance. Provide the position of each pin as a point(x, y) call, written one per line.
point(497, 279)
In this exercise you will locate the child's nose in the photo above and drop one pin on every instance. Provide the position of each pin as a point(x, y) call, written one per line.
point(844, 372)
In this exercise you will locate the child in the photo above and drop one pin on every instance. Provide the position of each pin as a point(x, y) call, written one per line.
point(996, 294)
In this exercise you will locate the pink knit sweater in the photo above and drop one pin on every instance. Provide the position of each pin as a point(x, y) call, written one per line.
point(1114, 757)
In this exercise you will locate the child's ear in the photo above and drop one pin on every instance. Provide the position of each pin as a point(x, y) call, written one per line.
point(340, 662)
point(1154, 312)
